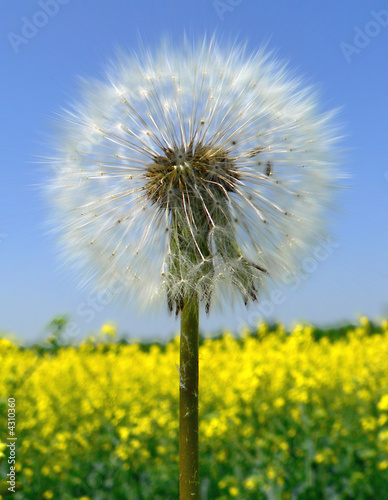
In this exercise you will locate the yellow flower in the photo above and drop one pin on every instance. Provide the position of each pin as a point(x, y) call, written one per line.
point(28, 472)
point(122, 452)
point(382, 420)
point(279, 402)
point(234, 491)
point(124, 432)
point(271, 474)
point(383, 435)
point(222, 484)
point(364, 394)
point(48, 494)
point(135, 443)
point(364, 321)
point(383, 465)
point(250, 483)
point(109, 330)
point(245, 332)
point(45, 470)
point(302, 397)
point(145, 454)
point(348, 387)
point(283, 445)
point(383, 403)
point(326, 455)
point(222, 456)
point(368, 423)
point(262, 330)
point(292, 432)
point(119, 414)
point(5, 344)
point(308, 330)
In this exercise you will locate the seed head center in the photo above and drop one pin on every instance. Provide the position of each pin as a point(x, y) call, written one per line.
point(202, 173)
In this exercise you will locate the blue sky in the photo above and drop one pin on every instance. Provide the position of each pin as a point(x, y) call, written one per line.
point(340, 47)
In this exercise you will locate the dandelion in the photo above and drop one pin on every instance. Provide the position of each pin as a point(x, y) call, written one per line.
point(194, 176)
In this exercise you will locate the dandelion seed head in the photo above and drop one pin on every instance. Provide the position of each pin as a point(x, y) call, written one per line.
point(200, 169)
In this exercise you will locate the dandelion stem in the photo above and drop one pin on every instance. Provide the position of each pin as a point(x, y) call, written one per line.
point(188, 423)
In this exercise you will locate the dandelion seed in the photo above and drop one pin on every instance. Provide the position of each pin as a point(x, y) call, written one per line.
point(181, 187)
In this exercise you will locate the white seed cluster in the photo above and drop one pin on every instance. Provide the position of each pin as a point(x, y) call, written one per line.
point(200, 169)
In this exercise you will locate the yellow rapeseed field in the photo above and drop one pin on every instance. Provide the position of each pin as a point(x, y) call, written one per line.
point(283, 415)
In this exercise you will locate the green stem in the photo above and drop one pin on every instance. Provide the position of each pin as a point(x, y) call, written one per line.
point(188, 421)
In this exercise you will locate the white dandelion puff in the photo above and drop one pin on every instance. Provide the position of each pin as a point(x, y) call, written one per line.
point(200, 169)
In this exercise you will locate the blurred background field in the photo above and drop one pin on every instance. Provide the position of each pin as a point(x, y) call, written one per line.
point(283, 415)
